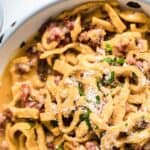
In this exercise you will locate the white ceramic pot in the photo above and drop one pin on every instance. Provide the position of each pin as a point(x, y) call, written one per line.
point(25, 28)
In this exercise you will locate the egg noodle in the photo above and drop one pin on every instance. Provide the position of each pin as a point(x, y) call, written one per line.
point(83, 83)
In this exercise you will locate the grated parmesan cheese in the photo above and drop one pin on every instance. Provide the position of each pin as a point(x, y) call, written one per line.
point(88, 73)
point(54, 108)
point(71, 81)
point(91, 94)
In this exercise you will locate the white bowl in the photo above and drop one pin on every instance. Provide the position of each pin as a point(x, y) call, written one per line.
point(20, 31)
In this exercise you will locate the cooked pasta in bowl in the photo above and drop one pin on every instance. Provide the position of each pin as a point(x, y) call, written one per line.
point(82, 82)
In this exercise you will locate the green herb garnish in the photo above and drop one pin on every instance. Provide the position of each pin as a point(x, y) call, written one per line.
point(81, 89)
point(110, 78)
point(98, 83)
point(96, 127)
point(120, 60)
point(108, 47)
point(114, 61)
point(54, 123)
point(97, 99)
point(60, 147)
point(32, 124)
point(108, 60)
point(85, 117)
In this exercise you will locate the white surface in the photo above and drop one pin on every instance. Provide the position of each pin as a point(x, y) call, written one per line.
point(16, 9)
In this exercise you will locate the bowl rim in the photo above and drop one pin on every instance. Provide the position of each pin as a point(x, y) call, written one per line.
point(1, 17)
point(7, 34)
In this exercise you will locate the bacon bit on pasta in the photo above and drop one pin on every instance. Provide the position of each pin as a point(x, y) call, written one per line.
point(91, 146)
point(34, 104)
point(58, 79)
point(4, 145)
point(56, 34)
point(93, 37)
point(25, 92)
point(50, 146)
point(2, 123)
point(69, 24)
point(22, 68)
point(4, 117)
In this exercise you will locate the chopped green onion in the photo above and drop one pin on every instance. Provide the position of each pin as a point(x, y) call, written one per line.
point(98, 83)
point(108, 60)
point(120, 60)
point(96, 127)
point(108, 79)
point(114, 61)
point(111, 77)
point(97, 99)
point(54, 123)
point(32, 124)
point(108, 47)
point(60, 147)
point(81, 90)
point(85, 117)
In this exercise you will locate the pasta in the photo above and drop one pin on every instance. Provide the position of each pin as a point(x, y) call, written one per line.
point(82, 83)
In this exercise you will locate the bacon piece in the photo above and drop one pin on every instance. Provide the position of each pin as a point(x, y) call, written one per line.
point(69, 24)
point(57, 33)
point(4, 145)
point(22, 68)
point(4, 117)
point(25, 67)
point(2, 123)
point(139, 64)
point(50, 146)
point(34, 104)
point(93, 37)
point(25, 92)
point(131, 60)
point(57, 79)
point(91, 146)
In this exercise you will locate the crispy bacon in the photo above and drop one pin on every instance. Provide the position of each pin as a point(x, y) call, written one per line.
point(56, 34)
point(25, 92)
point(91, 146)
point(4, 117)
point(93, 37)
point(57, 79)
point(50, 146)
point(34, 104)
point(69, 24)
point(131, 60)
point(4, 145)
point(2, 123)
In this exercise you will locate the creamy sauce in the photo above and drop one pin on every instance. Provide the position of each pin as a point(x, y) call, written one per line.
point(5, 80)
point(5, 89)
